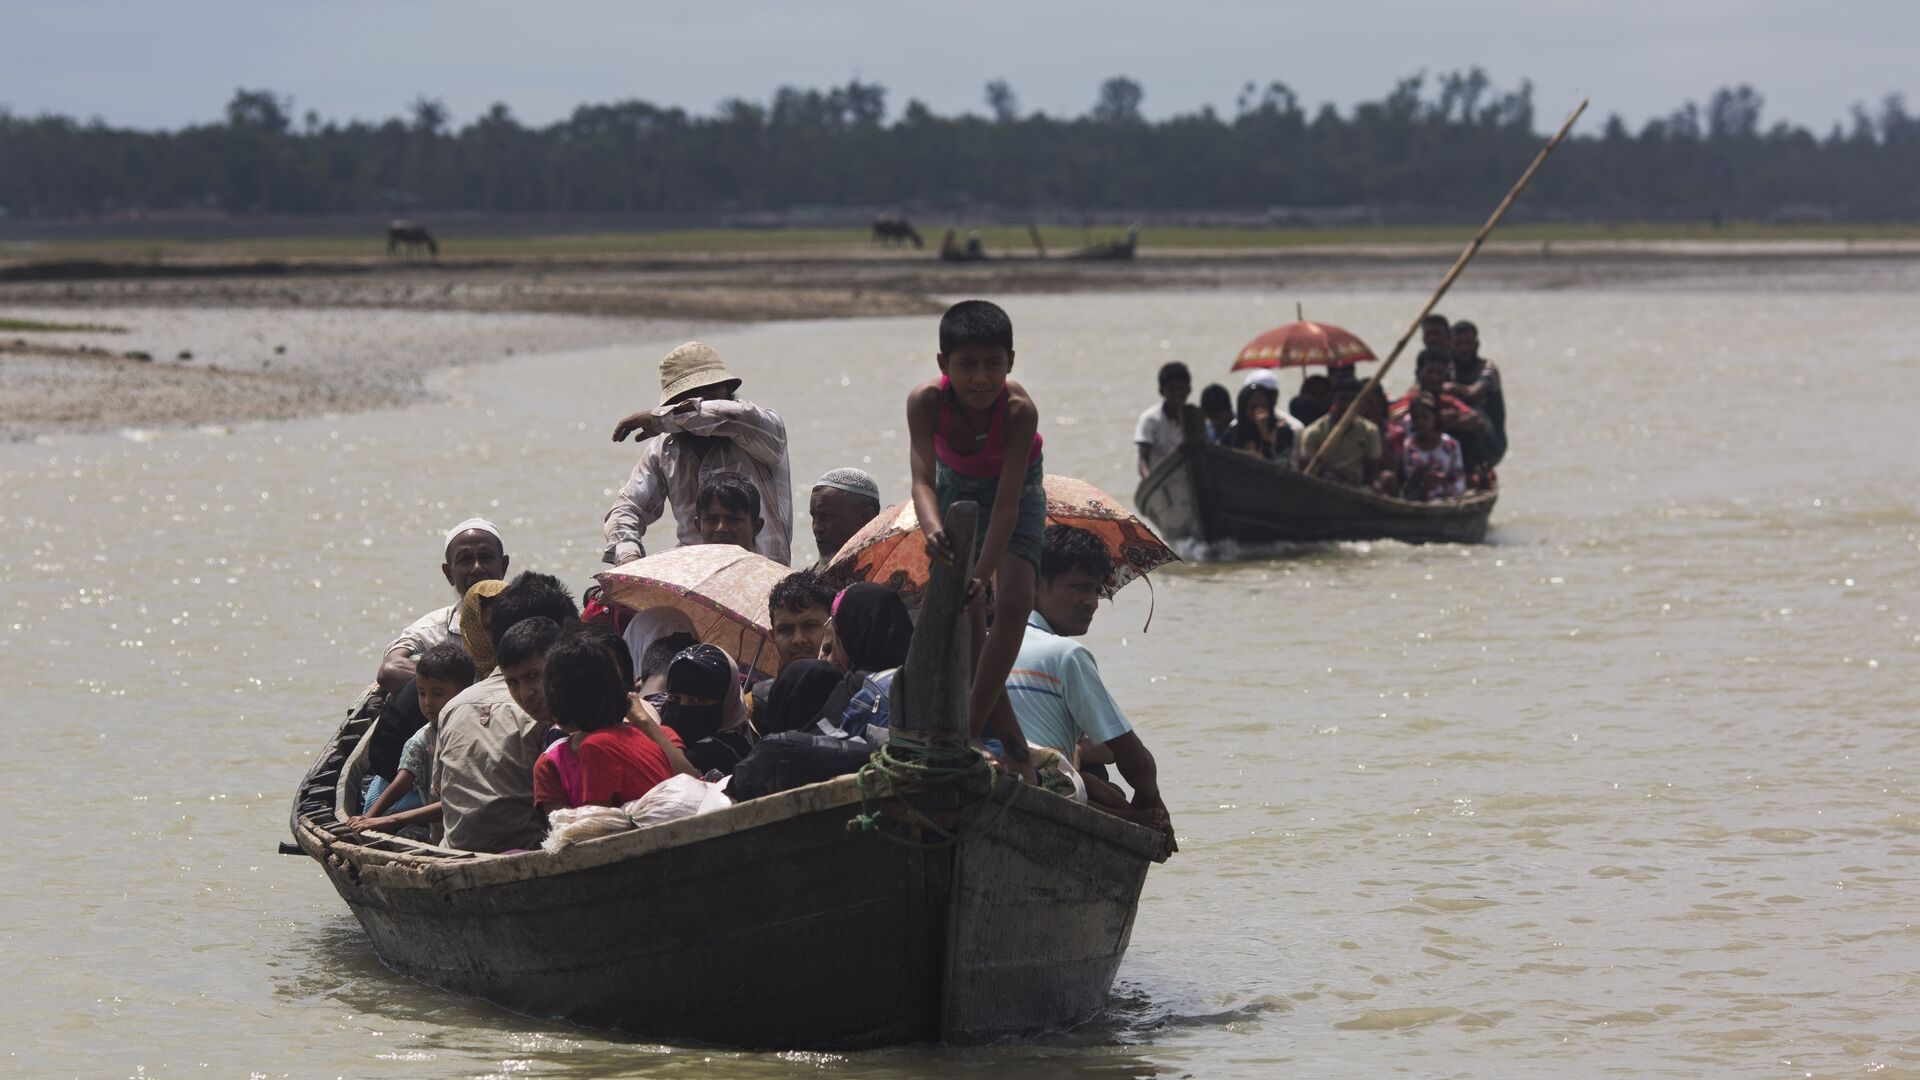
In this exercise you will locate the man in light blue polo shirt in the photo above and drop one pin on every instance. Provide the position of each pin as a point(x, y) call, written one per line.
point(1056, 689)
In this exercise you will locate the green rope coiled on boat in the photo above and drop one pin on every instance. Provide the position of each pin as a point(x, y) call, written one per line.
point(886, 772)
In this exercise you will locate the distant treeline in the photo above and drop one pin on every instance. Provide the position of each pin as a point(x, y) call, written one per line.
point(1451, 141)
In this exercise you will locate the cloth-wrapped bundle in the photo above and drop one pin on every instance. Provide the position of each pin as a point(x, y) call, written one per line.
point(674, 798)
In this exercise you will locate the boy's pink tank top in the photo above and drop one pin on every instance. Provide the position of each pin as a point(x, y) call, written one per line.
point(986, 462)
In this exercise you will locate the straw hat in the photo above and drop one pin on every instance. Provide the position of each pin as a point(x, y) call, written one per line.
point(690, 367)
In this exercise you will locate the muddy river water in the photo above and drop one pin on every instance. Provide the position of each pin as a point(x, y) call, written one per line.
point(1634, 787)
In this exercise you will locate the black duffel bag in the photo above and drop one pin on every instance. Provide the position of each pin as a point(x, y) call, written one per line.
point(791, 759)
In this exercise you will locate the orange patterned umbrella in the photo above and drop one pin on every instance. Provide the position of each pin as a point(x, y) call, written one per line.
point(891, 550)
point(1304, 344)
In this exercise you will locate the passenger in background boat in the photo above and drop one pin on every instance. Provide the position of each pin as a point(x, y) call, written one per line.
point(615, 751)
point(1393, 432)
point(1430, 465)
point(706, 709)
point(485, 744)
point(1056, 687)
point(1269, 381)
point(799, 609)
point(1311, 403)
point(1159, 431)
point(395, 803)
point(1255, 431)
point(729, 511)
point(842, 503)
point(1216, 404)
point(1476, 381)
point(871, 634)
point(1457, 418)
point(472, 552)
point(1436, 333)
point(700, 430)
point(1359, 457)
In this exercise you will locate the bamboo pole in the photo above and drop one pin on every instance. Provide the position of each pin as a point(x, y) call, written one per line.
point(1459, 264)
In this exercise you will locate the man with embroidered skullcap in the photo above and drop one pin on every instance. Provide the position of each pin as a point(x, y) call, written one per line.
point(472, 552)
point(698, 431)
point(843, 501)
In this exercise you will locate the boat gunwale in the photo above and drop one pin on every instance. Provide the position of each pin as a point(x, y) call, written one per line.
point(1476, 502)
point(398, 861)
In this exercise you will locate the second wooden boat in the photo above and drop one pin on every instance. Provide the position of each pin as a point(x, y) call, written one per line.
point(1207, 493)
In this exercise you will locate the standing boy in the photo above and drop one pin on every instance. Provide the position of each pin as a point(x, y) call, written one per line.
point(974, 436)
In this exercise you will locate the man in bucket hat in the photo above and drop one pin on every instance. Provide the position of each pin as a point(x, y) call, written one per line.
point(698, 431)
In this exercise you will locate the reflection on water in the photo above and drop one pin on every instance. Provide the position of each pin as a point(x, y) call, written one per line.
point(1628, 788)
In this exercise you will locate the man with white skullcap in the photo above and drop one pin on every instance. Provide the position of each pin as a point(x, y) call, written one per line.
point(843, 501)
point(698, 431)
point(474, 553)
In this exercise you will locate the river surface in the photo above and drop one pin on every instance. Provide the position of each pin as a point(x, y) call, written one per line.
point(1629, 789)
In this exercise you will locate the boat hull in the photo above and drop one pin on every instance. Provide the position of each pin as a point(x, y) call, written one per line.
point(1210, 494)
point(769, 924)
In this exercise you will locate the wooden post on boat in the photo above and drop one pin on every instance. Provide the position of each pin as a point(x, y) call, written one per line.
point(1459, 264)
point(1193, 448)
point(931, 693)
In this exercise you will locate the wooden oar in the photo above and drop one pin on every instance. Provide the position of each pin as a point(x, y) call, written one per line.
point(1459, 264)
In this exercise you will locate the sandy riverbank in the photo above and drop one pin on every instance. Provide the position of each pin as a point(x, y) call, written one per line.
point(314, 337)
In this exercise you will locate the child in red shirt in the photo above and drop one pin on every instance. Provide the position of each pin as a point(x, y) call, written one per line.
point(618, 761)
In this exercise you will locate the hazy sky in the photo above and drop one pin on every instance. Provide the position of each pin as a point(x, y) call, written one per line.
point(148, 64)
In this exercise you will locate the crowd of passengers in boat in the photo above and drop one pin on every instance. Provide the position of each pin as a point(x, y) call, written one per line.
point(1439, 440)
point(515, 702)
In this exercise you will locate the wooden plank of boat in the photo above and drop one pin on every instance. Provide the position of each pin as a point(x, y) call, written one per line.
point(1208, 493)
point(770, 924)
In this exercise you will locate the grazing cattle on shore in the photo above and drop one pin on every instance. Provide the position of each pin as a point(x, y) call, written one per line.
point(893, 229)
point(411, 235)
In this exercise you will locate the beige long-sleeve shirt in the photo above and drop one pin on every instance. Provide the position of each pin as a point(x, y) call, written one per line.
point(750, 441)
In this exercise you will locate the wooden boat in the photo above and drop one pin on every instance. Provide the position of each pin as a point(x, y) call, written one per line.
point(769, 924)
point(1115, 250)
point(1208, 493)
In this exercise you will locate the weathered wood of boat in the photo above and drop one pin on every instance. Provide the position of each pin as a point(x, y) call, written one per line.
point(1208, 493)
point(772, 923)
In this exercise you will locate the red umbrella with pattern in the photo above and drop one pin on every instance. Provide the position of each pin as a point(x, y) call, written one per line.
point(1304, 344)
